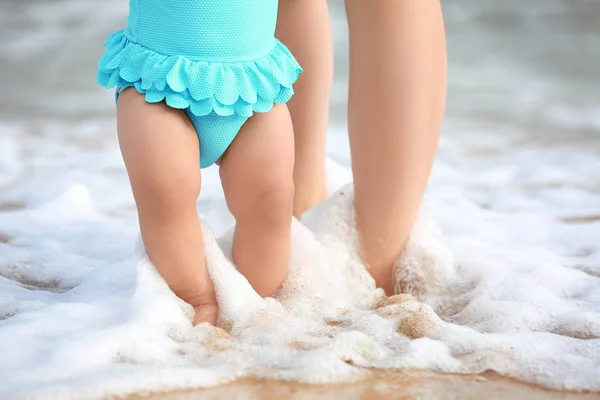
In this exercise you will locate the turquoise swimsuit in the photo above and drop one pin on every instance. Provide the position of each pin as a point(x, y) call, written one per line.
point(218, 60)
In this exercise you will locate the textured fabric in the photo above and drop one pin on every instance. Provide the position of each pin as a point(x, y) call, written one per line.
point(215, 132)
point(210, 58)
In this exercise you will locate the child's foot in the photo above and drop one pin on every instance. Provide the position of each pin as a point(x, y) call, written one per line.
point(205, 306)
point(206, 313)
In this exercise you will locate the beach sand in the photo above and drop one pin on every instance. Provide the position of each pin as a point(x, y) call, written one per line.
point(404, 385)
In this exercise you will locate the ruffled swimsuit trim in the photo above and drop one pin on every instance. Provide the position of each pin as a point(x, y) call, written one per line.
point(225, 88)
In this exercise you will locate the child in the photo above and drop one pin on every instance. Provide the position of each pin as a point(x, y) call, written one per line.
point(200, 82)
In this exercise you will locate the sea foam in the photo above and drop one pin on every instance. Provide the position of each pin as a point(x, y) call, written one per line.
point(85, 314)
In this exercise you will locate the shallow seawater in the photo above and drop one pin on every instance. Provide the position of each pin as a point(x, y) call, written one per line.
point(507, 243)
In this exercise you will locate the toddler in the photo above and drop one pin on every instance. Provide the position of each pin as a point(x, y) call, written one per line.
point(200, 82)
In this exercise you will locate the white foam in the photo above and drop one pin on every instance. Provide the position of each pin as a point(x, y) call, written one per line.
point(504, 261)
point(85, 316)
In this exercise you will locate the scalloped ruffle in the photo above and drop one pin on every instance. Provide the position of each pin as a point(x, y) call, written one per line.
point(226, 88)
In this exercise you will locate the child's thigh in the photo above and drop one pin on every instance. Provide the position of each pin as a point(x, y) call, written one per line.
point(260, 160)
point(160, 149)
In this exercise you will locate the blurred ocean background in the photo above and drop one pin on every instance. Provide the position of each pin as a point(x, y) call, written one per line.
point(516, 188)
point(522, 76)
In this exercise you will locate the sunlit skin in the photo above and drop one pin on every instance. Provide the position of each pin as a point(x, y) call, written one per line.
point(166, 188)
point(304, 27)
point(396, 104)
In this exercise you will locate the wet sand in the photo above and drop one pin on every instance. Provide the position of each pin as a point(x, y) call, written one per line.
point(404, 385)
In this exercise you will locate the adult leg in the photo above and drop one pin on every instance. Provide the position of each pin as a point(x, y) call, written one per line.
point(396, 105)
point(161, 154)
point(303, 25)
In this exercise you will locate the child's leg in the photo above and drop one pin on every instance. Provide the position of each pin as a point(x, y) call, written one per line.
point(160, 150)
point(257, 173)
point(304, 27)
